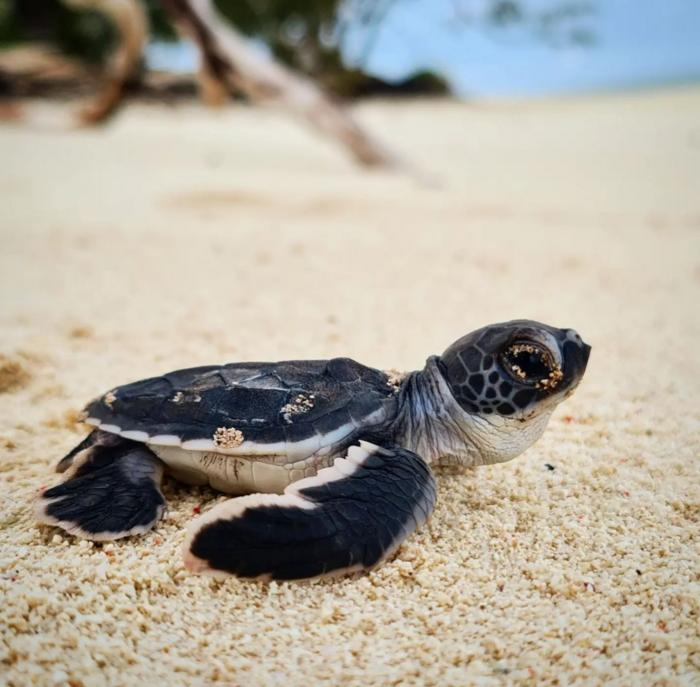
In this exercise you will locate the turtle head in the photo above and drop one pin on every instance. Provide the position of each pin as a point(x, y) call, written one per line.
point(519, 370)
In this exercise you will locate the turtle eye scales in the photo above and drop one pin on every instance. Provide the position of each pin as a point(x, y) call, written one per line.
point(527, 362)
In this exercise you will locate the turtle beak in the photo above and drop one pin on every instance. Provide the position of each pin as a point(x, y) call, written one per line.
point(575, 353)
point(586, 354)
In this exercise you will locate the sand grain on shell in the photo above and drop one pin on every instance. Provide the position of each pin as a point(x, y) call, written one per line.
point(576, 564)
point(228, 437)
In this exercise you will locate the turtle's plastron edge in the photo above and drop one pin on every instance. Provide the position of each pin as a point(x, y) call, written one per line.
point(349, 517)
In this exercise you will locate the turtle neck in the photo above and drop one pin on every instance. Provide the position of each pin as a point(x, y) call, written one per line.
point(431, 423)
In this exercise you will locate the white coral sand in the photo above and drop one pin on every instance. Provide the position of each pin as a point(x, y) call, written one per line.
point(177, 238)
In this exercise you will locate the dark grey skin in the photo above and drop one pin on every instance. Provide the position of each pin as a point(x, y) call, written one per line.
point(334, 455)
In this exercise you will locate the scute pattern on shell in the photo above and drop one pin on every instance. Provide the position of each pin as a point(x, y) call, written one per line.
point(261, 401)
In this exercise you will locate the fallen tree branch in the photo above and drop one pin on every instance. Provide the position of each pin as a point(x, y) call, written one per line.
point(129, 18)
point(228, 59)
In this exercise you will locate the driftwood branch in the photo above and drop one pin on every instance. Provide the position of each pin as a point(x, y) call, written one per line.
point(212, 89)
point(129, 18)
point(228, 60)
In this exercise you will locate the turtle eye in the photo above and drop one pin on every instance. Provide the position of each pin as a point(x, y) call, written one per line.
point(527, 362)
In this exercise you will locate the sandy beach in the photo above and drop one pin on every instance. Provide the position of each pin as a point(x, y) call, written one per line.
point(180, 237)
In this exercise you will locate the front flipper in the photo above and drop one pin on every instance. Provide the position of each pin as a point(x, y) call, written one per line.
point(349, 517)
point(110, 492)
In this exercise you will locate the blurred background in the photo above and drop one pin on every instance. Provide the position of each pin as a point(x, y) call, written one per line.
point(507, 128)
point(469, 48)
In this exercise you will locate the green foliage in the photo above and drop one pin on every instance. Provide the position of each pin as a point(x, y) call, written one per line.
point(298, 32)
point(9, 28)
point(304, 34)
point(85, 34)
point(160, 26)
point(561, 22)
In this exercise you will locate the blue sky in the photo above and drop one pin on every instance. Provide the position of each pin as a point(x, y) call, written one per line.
point(638, 43)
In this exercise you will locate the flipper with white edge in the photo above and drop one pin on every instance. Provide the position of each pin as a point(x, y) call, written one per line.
point(96, 440)
point(110, 489)
point(348, 517)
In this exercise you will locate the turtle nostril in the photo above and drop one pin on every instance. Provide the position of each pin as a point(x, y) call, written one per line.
point(573, 335)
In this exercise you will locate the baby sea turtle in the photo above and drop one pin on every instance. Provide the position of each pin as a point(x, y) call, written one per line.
point(333, 456)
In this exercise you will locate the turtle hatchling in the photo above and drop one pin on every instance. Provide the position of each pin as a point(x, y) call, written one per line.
point(328, 461)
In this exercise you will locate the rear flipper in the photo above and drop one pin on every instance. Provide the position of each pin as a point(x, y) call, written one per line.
point(94, 439)
point(349, 517)
point(111, 489)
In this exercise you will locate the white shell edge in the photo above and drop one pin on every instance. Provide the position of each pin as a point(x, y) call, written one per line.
point(295, 450)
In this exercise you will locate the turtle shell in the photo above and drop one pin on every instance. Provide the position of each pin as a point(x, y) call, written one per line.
point(293, 408)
